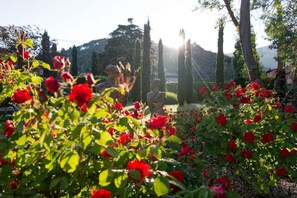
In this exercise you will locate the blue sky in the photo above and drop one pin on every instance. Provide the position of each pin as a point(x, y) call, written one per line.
point(80, 21)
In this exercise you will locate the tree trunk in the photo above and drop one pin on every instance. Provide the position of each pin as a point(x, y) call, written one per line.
point(245, 39)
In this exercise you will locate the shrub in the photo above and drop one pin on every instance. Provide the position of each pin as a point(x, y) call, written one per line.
point(171, 98)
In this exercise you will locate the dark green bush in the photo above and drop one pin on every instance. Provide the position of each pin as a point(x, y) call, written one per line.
point(171, 98)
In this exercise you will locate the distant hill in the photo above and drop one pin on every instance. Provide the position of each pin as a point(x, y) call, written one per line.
point(204, 62)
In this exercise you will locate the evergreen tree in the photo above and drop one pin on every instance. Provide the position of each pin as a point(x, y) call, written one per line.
point(189, 73)
point(161, 70)
point(220, 55)
point(146, 68)
point(136, 90)
point(73, 68)
point(181, 70)
point(45, 54)
point(239, 70)
point(94, 64)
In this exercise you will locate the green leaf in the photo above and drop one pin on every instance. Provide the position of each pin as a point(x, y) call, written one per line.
point(70, 161)
point(161, 186)
point(54, 182)
point(135, 174)
point(22, 140)
point(112, 151)
point(86, 140)
point(64, 183)
point(29, 42)
point(36, 80)
point(121, 180)
point(105, 178)
point(14, 58)
point(102, 138)
point(46, 66)
point(35, 63)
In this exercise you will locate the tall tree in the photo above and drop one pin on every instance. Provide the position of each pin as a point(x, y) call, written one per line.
point(136, 90)
point(240, 75)
point(121, 45)
point(181, 70)
point(45, 54)
point(74, 66)
point(220, 55)
point(244, 26)
point(146, 67)
point(161, 69)
point(94, 63)
point(188, 73)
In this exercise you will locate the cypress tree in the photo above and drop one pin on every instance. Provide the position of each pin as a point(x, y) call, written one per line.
point(73, 68)
point(45, 54)
point(136, 91)
point(220, 55)
point(161, 70)
point(240, 75)
point(181, 70)
point(146, 68)
point(94, 66)
point(189, 73)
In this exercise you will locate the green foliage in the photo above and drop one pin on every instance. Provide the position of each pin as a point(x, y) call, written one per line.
point(181, 76)
point(171, 98)
point(237, 119)
point(74, 66)
point(161, 69)
point(146, 65)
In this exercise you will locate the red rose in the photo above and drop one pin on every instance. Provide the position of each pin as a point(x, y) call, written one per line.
point(266, 93)
point(228, 95)
point(245, 100)
point(202, 90)
point(137, 105)
point(9, 128)
point(104, 153)
point(143, 169)
point(289, 109)
point(52, 84)
point(221, 119)
point(81, 93)
point(219, 192)
point(58, 62)
point(157, 122)
point(257, 117)
point(21, 96)
point(118, 106)
point(232, 146)
point(277, 106)
point(281, 172)
point(26, 54)
point(179, 175)
point(267, 137)
point(67, 77)
point(230, 158)
point(225, 182)
point(90, 79)
point(13, 185)
point(9, 63)
point(238, 93)
point(255, 86)
point(171, 130)
point(249, 137)
point(186, 150)
point(125, 138)
point(248, 121)
point(216, 86)
point(247, 154)
point(294, 126)
point(101, 194)
point(284, 153)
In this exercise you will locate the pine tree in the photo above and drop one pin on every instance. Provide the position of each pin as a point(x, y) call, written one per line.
point(146, 68)
point(73, 68)
point(220, 55)
point(136, 91)
point(240, 75)
point(189, 73)
point(161, 70)
point(181, 70)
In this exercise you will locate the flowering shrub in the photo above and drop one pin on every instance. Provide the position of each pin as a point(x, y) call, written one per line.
point(66, 141)
point(243, 134)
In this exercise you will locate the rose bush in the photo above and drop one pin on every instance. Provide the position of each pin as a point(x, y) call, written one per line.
point(242, 133)
point(66, 141)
